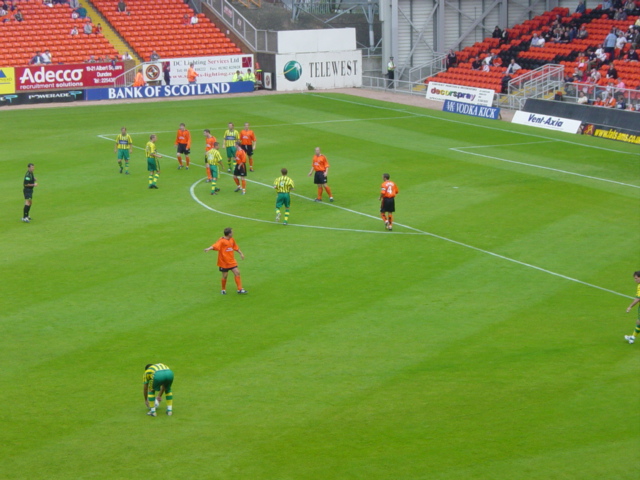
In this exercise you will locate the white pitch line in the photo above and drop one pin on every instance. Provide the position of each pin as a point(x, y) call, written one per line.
point(418, 231)
point(452, 120)
point(460, 150)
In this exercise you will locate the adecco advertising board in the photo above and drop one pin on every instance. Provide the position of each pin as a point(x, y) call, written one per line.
point(54, 77)
point(215, 69)
point(319, 70)
point(460, 93)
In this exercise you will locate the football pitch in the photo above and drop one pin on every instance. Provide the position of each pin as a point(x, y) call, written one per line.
point(481, 339)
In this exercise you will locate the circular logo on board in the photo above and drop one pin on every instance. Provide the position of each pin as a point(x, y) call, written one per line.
point(152, 72)
point(292, 71)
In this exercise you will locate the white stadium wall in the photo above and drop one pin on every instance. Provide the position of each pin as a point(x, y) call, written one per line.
point(318, 59)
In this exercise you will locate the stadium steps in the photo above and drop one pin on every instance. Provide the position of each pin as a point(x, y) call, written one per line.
point(108, 32)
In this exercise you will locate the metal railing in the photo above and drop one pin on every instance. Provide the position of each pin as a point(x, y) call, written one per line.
point(537, 83)
point(248, 3)
point(435, 66)
point(265, 41)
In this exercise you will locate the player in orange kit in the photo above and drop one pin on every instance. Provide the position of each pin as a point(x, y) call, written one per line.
point(240, 169)
point(183, 142)
point(248, 143)
point(320, 166)
point(226, 247)
point(210, 141)
point(388, 192)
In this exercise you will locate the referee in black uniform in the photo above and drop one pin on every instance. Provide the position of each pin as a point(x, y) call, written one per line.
point(28, 185)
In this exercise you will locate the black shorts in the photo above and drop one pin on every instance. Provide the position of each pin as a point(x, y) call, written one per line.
point(28, 193)
point(388, 205)
point(223, 270)
point(182, 148)
point(248, 149)
point(240, 170)
point(319, 178)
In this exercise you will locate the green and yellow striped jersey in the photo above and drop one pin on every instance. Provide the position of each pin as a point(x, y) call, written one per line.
point(283, 184)
point(150, 372)
point(150, 150)
point(214, 157)
point(230, 138)
point(124, 141)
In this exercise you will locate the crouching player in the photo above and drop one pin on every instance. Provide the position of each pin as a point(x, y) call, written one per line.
point(157, 380)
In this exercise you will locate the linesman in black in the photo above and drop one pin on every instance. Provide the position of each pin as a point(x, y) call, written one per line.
point(28, 186)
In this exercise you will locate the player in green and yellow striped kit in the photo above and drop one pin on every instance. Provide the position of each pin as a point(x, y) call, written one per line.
point(231, 136)
point(157, 380)
point(123, 147)
point(153, 164)
point(214, 159)
point(283, 186)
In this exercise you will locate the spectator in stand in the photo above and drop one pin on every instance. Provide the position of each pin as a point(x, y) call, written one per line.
point(612, 72)
point(513, 67)
point(452, 59)
point(505, 37)
point(126, 56)
point(154, 56)
point(582, 61)
point(192, 75)
point(18, 17)
point(81, 12)
point(634, 39)
point(621, 104)
point(36, 59)
point(620, 14)
point(581, 9)
point(601, 55)
point(194, 19)
point(595, 75)
point(497, 33)
point(610, 102)
point(47, 57)
point(504, 84)
point(621, 42)
point(582, 99)
point(166, 72)
point(3, 11)
point(610, 43)
point(632, 56)
point(74, 4)
point(185, 20)
point(607, 5)
point(139, 80)
point(582, 32)
point(97, 29)
point(48, 3)
point(537, 41)
point(88, 28)
point(571, 33)
point(74, 31)
point(476, 64)
point(630, 7)
point(122, 7)
point(92, 59)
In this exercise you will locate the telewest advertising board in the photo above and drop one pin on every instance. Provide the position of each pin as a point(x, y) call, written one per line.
point(219, 68)
point(460, 93)
point(54, 77)
point(320, 70)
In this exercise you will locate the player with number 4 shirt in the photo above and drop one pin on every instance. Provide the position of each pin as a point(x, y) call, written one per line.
point(388, 192)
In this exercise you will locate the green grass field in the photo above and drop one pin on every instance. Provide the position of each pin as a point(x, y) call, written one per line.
point(481, 339)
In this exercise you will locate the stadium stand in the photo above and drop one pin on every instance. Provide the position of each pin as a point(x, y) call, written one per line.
point(518, 47)
point(159, 25)
point(49, 28)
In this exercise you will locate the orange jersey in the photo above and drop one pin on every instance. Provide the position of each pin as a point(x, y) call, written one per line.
point(183, 136)
point(247, 137)
point(210, 141)
point(139, 81)
point(241, 156)
point(191, 75)
point(320, 163)
point(388, 189)
point(226, 248)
